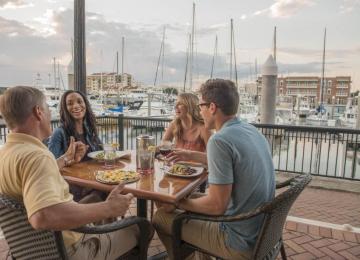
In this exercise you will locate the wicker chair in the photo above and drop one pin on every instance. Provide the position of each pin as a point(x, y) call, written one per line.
point(269, 242)
point(27, 243)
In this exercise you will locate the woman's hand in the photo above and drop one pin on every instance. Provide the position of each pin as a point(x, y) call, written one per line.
point(70, 153)
point(178, 155)
point(75, 152)
point(80, 151)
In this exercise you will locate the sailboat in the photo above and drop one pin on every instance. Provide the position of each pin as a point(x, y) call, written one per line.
point(320, 117)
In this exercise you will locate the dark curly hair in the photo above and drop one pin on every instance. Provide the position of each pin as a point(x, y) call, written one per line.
point(67, 121)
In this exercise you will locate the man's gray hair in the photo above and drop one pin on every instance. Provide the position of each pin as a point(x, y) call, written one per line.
point(17, 103)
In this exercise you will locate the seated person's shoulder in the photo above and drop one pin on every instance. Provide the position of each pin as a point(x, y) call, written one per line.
point(172, 124)
point(58, 131)
point(217, 139)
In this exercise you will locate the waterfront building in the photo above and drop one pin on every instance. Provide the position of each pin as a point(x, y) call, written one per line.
point(336, 89)
point(110, 82)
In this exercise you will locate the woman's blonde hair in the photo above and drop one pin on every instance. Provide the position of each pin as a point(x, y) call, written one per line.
point(190, 101)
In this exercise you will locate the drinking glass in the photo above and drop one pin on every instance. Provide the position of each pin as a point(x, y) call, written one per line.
point(109, 156)
point(165, 148)
point(145, 161)
point(145, 154)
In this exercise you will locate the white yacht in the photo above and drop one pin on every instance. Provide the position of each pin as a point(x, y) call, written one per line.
point(248, 110)
point(350, 115)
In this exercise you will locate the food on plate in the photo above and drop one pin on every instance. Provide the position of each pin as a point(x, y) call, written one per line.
point(108, 156)
point(180, 169)
point(117, 176)
point(100, 156)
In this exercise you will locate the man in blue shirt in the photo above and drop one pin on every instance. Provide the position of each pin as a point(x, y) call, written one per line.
point(241, 177)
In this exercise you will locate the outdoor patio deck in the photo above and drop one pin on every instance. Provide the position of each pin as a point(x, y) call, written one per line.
point(314, 229)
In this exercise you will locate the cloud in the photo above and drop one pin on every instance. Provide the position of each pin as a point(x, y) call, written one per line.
point(28, 49)
point(45, 25)
point(329, 54)
point(309, 68)
point(13, 4)
point(349, 6)
point(285, 8)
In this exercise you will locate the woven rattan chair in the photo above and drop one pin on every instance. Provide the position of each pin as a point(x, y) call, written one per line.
point(269, 242)
point(27, 243)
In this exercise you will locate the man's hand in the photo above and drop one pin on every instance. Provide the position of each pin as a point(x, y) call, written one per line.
point(118, 203)
point(80, 151)
point(178, 155)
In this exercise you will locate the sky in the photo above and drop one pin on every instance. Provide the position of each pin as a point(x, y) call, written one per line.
point(32, 32)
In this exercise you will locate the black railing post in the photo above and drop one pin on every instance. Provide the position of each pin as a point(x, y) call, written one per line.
point(121, 131)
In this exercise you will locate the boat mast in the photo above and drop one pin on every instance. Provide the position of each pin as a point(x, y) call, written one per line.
point(101, 77)
point(122, 55)
point(161, 53)
point(54, 64)
point(231, 46)
point(323, 73)
point(233, 38)
point(122, 65)
point(274, 51)
point(187, 62)
point(213, 59)
point(163, 56)
point(192, 48)
point(256, 81)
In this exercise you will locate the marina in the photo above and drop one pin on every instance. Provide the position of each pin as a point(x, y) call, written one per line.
point(294, 65)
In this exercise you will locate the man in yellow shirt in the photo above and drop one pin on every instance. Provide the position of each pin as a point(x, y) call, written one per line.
point(30, 173)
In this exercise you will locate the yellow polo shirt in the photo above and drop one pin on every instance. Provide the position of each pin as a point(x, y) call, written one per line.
point(29, 173)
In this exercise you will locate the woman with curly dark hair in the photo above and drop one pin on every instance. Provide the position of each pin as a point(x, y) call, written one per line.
point(77, 121)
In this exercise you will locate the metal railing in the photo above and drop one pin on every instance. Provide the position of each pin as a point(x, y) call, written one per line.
point(331, 152)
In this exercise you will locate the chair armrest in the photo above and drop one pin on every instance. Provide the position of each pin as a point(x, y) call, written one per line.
point(239, 217)
point(283, 184)
point(117, 225)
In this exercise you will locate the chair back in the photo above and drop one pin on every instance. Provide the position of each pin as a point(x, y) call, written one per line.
point(24, 241)
point(269, 240)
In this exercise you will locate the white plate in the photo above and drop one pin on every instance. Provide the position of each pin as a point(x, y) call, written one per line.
point(199, 171)
point(119, 154)
point(191, 164)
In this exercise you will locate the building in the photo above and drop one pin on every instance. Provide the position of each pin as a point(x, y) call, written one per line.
point(336, 89)
point(110, 82)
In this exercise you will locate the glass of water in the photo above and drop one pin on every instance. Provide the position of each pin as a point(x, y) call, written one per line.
point(109, 156)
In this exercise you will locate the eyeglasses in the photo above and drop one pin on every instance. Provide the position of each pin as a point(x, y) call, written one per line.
point(204, 104)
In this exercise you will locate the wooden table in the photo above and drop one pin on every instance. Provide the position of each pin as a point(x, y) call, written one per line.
point(157, 186)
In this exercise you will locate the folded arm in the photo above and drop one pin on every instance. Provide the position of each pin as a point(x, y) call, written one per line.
point(214, 203)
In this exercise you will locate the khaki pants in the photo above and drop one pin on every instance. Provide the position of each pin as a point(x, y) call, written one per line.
point(104, 246)
point(202, 234)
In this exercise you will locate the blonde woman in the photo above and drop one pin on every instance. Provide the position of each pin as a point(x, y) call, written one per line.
point(187, 130)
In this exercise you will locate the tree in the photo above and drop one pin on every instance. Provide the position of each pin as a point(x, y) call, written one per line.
point(170, 91)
